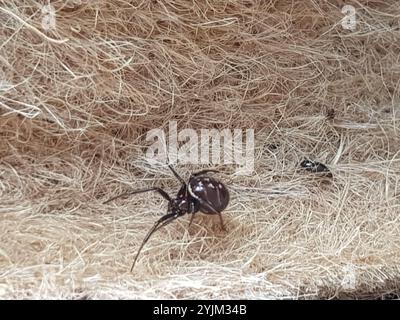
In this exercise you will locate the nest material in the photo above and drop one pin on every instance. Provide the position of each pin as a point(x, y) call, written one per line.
point(76, 102)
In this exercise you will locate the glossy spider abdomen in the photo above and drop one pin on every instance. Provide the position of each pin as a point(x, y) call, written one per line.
point(212, 195)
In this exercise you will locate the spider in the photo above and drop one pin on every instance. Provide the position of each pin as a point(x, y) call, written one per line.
point(315, 167)
point(201, 193)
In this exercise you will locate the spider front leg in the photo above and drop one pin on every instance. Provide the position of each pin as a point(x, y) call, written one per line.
point(177, 175)
point(163, 221)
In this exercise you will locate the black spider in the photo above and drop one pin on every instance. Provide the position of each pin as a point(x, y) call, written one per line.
point(315, 167)
point(201, 193)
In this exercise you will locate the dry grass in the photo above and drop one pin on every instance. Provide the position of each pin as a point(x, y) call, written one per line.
point(76, 103)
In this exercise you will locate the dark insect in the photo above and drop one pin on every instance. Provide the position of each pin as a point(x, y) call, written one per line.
point(315, 167)
point(201, 193)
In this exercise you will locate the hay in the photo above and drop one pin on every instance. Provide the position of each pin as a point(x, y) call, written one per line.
point(76, 102)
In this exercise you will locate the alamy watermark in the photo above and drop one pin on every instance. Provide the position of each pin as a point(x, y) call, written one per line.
point(349, 280)
point(349, 21)
point(49, 14)
point(49, 17)
point(204, 146)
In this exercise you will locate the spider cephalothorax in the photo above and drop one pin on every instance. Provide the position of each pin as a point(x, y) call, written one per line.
point(201, 193)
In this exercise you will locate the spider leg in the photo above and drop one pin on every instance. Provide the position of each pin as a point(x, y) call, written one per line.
point(177, 175)
point(203, 172)
point(159, 190)
point(191, 220)
point(206, 204)
point(163, 221)
point(221, 221)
